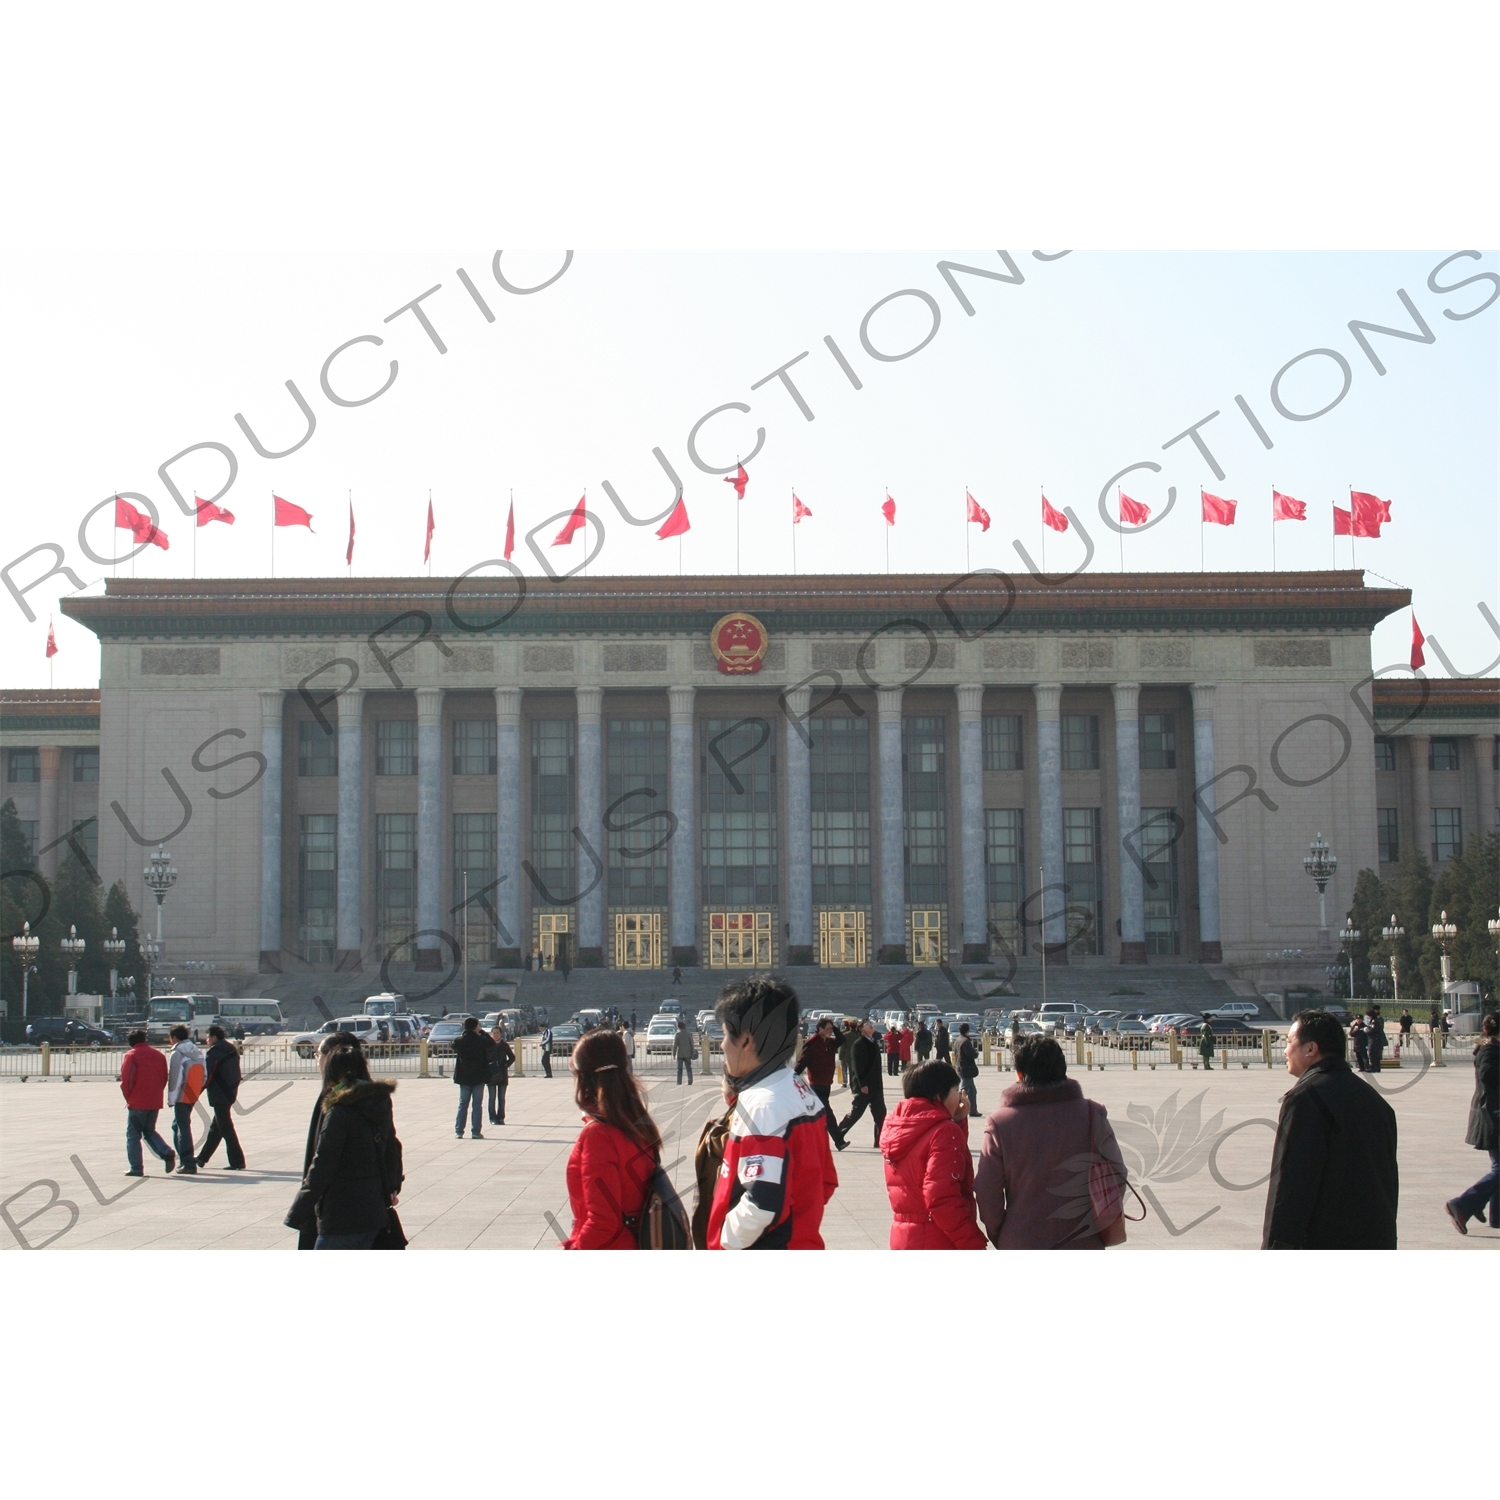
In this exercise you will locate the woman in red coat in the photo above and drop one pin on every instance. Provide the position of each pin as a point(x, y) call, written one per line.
point(616, 1151)
point(929, 1173)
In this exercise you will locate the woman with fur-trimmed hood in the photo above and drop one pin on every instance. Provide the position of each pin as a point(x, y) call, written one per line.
point(355, 1176)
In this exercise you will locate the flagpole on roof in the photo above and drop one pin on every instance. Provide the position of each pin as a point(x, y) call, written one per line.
point(966, 528)
point(1202, 566)
point(196, 503)
point(1351, 528)
point(794, 531)
point(273, 533)
point(1118, 512)
point(1273, 526)
point(1044, 532)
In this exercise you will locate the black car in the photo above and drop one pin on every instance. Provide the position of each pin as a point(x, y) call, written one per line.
point(1235, 1032)
point(60, 1031)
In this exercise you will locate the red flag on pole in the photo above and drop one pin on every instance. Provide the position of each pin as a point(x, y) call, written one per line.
point(739, 480)
point(51, 640)
point(1053, 518)
point(288, 514)
point(798, 510)
point(510, 531)
point(888, 510)
point(128, 518)
point(677, 522)
point(1342, 522)
point(1284, 508)
point(208, 511)
point(1217, 512)
point(1418, 640)
point(1368, 511)
point(427, 545)
point(571, 525)
point(977, 513)
point(1132, 512)
point(349, 550)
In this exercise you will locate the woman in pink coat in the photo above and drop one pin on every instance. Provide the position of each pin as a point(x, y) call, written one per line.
point(929, 1173)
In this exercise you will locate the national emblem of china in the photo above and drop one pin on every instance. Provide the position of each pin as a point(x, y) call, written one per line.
point(739, 644)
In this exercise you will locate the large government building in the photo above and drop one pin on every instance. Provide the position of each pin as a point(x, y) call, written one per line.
point(746, 772)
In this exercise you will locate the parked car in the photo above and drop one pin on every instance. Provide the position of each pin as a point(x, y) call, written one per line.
point(1237, 1032)
point(1176, 1019)
point(669, 1008)
point(65, 1031)
point(714, 1031)
point(443, 1034)
point(367, 1028)
point(661, 1033)
point(1130, 1033)
point(1238, 1009)
point(564, 1038)
point(586, 1020)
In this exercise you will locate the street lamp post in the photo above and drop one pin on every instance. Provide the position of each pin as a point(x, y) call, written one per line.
point(114, 951)
point(150, 948)
point(1320, 864)
point(161, 876)
point(1349, 937)
point(1393, 935)
point(26, 947)
point(1443, 934)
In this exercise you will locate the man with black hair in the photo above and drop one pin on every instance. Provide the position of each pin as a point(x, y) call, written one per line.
point(968, 1066)
point(818, 1060)
point(865, 1082)
point(777, 1174)
point(222, 1086)
point(1334, 1183)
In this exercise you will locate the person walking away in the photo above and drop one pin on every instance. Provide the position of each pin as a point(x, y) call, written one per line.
point(354, 1180)
point(1334, 1183)
point(1030, 1192)
point(546, 1051)
point(185, 1075)
point(968, 1066)
point(847, 1038)
point(616, 1152)
point(682, 1050)
point(908, 1036)
point(819, 1058)
point(1375, 1034)
point(501, 1061)
point(865, 1082)
point(1206, 1044)
point(1484, 1132)
point(892, 1051)
point(143, 1082)
point(923, 1041)
point(222, 1085)
point(1360, 1039)
point(471, 1072)
point(942, 1043)
point(777, 1175)
point(929, 1172)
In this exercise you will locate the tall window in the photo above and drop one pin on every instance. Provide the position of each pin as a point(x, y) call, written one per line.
point(1083, 873)
point(395, 747)
point(474, 747)
point(474, 853)
point(554, 805)
point(396, 883)
point(1385, 755)
point(23, 765)
point(88, 836)
point(1443, 754)
point(926, 793)
point(636, 778)
point(1447, 833)
point(86, 764)
point(317, 885)
point(317, 749)
point(737, 776)
point(1387, 835)
point(1002, 742)
point(1005, 873)
point(840, 769)
point(1158, 742)
point(31, 831)
point(1080, 742)
point(1161, 831)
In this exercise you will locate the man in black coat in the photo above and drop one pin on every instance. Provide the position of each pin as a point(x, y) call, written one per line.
point(1334, 1183)
point(472, 1051)
point(1374, 1037)
point(1484, 1132)
point(866, 1083)
point(221, 1086)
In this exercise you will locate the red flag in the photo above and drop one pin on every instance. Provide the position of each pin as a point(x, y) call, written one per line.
point(208, 511)
point(128, 518)
point(1132, 511)
point(1217, 512)
point(798, 510)
point(977, 513)
point(677, 522)
point(510, 531)
point(51, 641)
point(349, 551)
point(571, 525)
point(739, 480)
point(1342, 522)
point(1053, 518)
point(427, 545)
point(888, 510)
point(1284, 508)
point(288, 514)
point(1418, 640)
point(1369, 511)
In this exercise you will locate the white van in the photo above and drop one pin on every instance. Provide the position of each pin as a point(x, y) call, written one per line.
point(386, 1004)
point(256, 1017)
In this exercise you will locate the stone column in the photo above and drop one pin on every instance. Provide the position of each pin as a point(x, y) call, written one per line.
point(1210, 948)
point(272, 738)
point(350, 926)
point(508, 838)
point(892, 830)
point(971, 820)
point(682, 791)
point(429, 828)
point(1484, 777)
point(798, 760)
point(1053, 900)
point(1128, 798)
point(590, 827)
point(50, 757)
point(1419, 835)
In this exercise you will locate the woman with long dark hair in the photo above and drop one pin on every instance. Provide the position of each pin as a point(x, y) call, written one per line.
point(617, 1150)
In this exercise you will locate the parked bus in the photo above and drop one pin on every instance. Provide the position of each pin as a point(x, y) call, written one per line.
point(196, 1012)
point(254, 1017)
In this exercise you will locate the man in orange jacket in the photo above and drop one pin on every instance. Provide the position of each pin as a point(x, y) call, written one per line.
point(143, 1082)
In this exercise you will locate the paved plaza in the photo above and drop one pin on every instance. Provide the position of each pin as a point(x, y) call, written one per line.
point(1193, 1141)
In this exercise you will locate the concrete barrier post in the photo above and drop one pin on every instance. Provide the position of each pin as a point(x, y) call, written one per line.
point(46, 1059)
point(1078, 1038)
point(1135, 1059)
point(520, 1050)
point(1265, 1047)
point(1089, 1060)
point(986, 1057)
point(708, 1059)
point(423, 1071)
point(1437, 1048)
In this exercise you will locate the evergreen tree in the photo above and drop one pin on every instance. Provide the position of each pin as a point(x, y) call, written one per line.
point(1369, 914)
point(1411, 898)
point(1468, 888)
point(24, 897)
point(126, 921)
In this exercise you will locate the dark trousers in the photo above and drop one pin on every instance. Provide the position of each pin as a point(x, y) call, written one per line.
point(1484, 1193)
point(546, 1062)
point(893, 1064)
point(833, 1127)
point(497, 1100)
point(1374, 1054)
point(874, 1101)
point(182, 1135)
point(969, 1086)
point(222, 1129)
point(140, 1125)
point(1362, 1056)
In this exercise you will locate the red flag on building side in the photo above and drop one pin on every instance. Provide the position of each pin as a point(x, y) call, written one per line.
point(677, 523)
point(739, 479)
point(142, 528)
point(579, 518)
point(51, 640)
point(208, 511)
point(349, 550)
point(1284, 508)
point(288, 514)
point(798, 510)
point(1133, 512)
point(510, 531)
point(977, 514)
point(1053, 517)
point(1418, 640)
point(1368, 511)
point(1216, 511)
point(1342, 522)
point(427, 545)
point(888, 510)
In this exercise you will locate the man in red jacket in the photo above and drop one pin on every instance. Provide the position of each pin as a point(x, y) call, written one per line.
point(143, 1081)
point(820, 1056)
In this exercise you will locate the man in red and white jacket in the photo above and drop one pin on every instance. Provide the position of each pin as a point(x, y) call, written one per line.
point(777, 1174)
point(143, 1082)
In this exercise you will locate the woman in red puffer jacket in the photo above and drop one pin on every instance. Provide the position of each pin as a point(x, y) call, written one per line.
point(929, 1173)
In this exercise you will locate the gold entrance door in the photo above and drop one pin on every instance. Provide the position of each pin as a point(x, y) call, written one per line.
point(637, 940)
point(553, 936)
point(739, 939)
point(841, 938)
point(927, 937)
